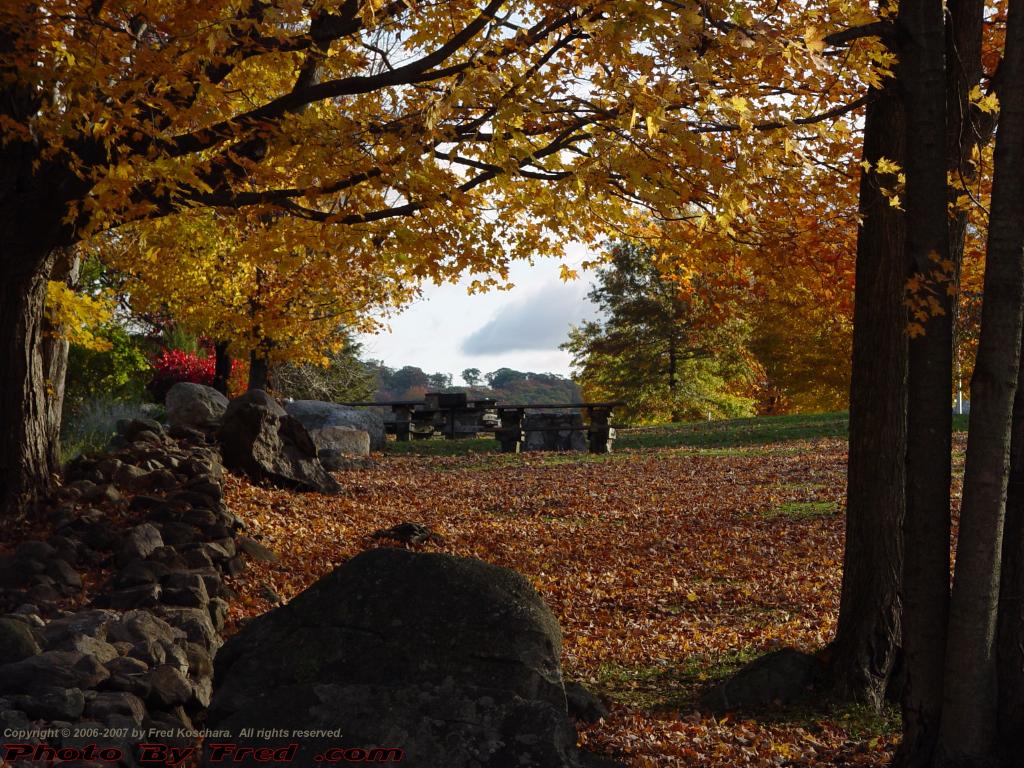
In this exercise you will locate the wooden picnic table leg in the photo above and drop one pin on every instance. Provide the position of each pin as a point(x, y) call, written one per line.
point(600, 431)
point(403, 417)
point(510, 433)
point(423, 419)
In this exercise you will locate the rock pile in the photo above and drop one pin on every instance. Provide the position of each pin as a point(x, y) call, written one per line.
point(139, 656)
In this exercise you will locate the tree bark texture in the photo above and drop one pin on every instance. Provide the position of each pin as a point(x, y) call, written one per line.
point(222, 367)
point(55, 354)
point(25, 453)
point(969, 718)
point(1010, 639)
point(259, 371)
point(922, 76)
point(868, 633)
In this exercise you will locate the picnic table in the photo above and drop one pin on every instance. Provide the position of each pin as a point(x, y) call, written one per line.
point(455, 416)
point(599, 429)
point(451, 414)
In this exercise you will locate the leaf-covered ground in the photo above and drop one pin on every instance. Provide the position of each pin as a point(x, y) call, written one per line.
point(667, 568)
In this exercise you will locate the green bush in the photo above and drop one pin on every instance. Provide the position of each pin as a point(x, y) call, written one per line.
point(116, 374)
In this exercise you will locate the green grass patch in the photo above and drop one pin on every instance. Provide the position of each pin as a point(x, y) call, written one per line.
point(728, 437)
point(727, 433)
point(802, 510)
point(677, 685)
point(861, 722)
point(668, 685)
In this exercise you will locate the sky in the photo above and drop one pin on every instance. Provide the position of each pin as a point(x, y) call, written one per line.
point(448, 330)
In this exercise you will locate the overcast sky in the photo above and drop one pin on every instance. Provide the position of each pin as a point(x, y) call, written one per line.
point(448, 330)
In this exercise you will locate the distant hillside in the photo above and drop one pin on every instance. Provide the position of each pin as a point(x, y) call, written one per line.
point(505, 385)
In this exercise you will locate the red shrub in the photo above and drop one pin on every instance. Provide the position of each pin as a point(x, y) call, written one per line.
point(173, 365)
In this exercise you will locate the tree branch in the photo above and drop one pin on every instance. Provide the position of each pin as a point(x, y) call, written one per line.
point(884, 30)
point(417, 71)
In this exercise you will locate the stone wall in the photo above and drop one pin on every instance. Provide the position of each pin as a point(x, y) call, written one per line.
point(128, 658)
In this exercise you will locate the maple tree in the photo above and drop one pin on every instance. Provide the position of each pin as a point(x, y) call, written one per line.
point(951, 699)
point(253, 285)
point(456, 135)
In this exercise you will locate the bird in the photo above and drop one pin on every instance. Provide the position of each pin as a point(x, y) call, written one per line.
point(268, 593)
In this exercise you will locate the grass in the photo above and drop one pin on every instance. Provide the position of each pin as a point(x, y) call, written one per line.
point(668, 685)
point(89, 427)
point(732, 433)
point(803, 510)
point(727, 437)
point(674, 685)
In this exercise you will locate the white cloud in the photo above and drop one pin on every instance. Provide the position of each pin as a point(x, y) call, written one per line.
point(538, 322)
point(449, 330)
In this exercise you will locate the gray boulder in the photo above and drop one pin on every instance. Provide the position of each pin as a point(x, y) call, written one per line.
point(17, 640)
point(316, 414)
point(266, 446)
point(346, 440)
point(256, 397)
point(451, 659)
point(195, 406)
point(334, 444)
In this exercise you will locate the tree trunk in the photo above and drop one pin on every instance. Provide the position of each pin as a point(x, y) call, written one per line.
point(922, 75)
point(967, 129)
point(259, 371)
point(673, 364)
point(969, 718)
point(868, 633)
point(25, 454)
point(55, 355)
point(1010, 640)
point(222, 367)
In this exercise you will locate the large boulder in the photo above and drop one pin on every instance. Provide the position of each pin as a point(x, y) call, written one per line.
point(255, 439)
point(452, 660)
point(316, 414)
point(335, 443)
point(195, 406)
point(256, 397)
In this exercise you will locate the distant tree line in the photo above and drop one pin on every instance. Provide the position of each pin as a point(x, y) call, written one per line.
point(505, 384)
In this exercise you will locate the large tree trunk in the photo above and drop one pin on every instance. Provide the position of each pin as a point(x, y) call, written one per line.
point(33, 204)
point(929, 410)
point(25, 453)
point(1010, 640)
point(259, 371)
point(969, 718)
point(868, 633)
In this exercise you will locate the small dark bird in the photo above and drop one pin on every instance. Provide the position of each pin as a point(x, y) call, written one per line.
point(408, 533)
point(268, 593)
